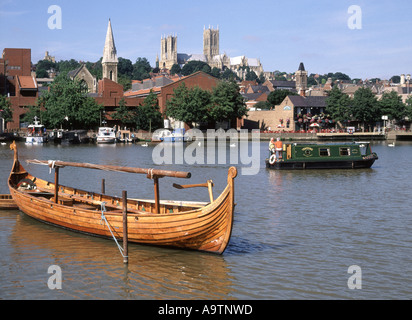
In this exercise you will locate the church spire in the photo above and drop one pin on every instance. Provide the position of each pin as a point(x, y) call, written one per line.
point(109, 51)
point(110, 61)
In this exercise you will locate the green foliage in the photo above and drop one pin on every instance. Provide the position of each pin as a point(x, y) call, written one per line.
point(365, 107)
point(194, 66)
point(323, 78)
point(126, 115)
point(229, 75)
point(276, 97)
point(148, 116)
point(125, 68)
point(141, 69)
point(338, 105)
point(196, 105)
point(395, 79)
point(264, 105)
point(189, 105)
point(6, 111)
point(251, 76)
point(391, 105)
point(34, 111)
point(175, 69)
point(227, 102)
point(67, 106)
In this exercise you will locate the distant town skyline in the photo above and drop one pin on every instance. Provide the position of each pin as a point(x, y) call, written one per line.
point(363, 39)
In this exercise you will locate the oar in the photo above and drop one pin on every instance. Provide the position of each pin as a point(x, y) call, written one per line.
point(209, 184)
point(185, 186)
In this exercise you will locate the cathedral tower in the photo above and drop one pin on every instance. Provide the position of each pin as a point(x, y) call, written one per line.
point(110, 61)
point(210, 43)
point(301, 80)
point(168, 52)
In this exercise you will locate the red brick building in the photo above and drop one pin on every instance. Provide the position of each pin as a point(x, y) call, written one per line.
point(17, 83)
point(109, 95)
point(165, 92)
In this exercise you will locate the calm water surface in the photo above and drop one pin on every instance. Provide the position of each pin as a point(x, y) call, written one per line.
point(295, 233)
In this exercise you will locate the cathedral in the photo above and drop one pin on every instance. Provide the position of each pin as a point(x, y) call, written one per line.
point(169, 55)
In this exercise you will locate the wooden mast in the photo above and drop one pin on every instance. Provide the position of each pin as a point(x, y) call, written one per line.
point(150, 174)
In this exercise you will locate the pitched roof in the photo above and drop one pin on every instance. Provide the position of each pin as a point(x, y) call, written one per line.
point(27, 83)
point(312, 101)
point(282, 83)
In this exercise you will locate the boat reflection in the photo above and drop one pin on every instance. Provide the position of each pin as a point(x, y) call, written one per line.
point(89, 264)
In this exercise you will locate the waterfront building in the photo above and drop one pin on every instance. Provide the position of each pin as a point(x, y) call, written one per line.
point(163, 86)
point(17, 83)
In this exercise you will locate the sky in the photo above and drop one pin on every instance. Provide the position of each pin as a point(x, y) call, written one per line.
point(370, 40)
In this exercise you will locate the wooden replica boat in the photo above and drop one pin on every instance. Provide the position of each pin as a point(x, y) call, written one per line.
point(189, 225)
point(353, 155)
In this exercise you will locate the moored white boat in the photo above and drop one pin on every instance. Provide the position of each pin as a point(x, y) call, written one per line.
point(36, 133)
point(106, 135)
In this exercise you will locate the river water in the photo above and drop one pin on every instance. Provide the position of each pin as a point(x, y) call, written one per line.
point(296, 235)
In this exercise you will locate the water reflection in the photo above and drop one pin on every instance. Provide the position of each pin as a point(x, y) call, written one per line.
point(295, 233)
point(89, 264)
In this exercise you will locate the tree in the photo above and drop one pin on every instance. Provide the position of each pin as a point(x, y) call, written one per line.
point(395, 79)
point(391, 105)
point(215, 72)
point(189, 105)
point(125, 67)
point(141, 69)
point(34, 111)
point(6, 111)
point(66, 105)
point(229, 75)
point(194, 66)
point(365, 106)
point(67, 65)
point(42, 68)
point(276, 97)
point(148, 116)
point(338, 105)
point(251, 76)
point(227, 103)
point(261, 78)
point(175, 69)
point(126, 115)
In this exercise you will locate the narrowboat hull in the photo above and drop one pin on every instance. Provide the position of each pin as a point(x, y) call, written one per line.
point(287, 165)
point(356, 155)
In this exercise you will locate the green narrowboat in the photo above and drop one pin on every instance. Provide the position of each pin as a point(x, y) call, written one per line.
point(353, 155)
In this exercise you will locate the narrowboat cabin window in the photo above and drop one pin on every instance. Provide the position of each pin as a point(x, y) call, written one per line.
point(363, 148)
point(324, 152)
point(344, 151)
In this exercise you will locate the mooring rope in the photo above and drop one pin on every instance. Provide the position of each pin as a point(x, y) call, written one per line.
point(103, 217)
